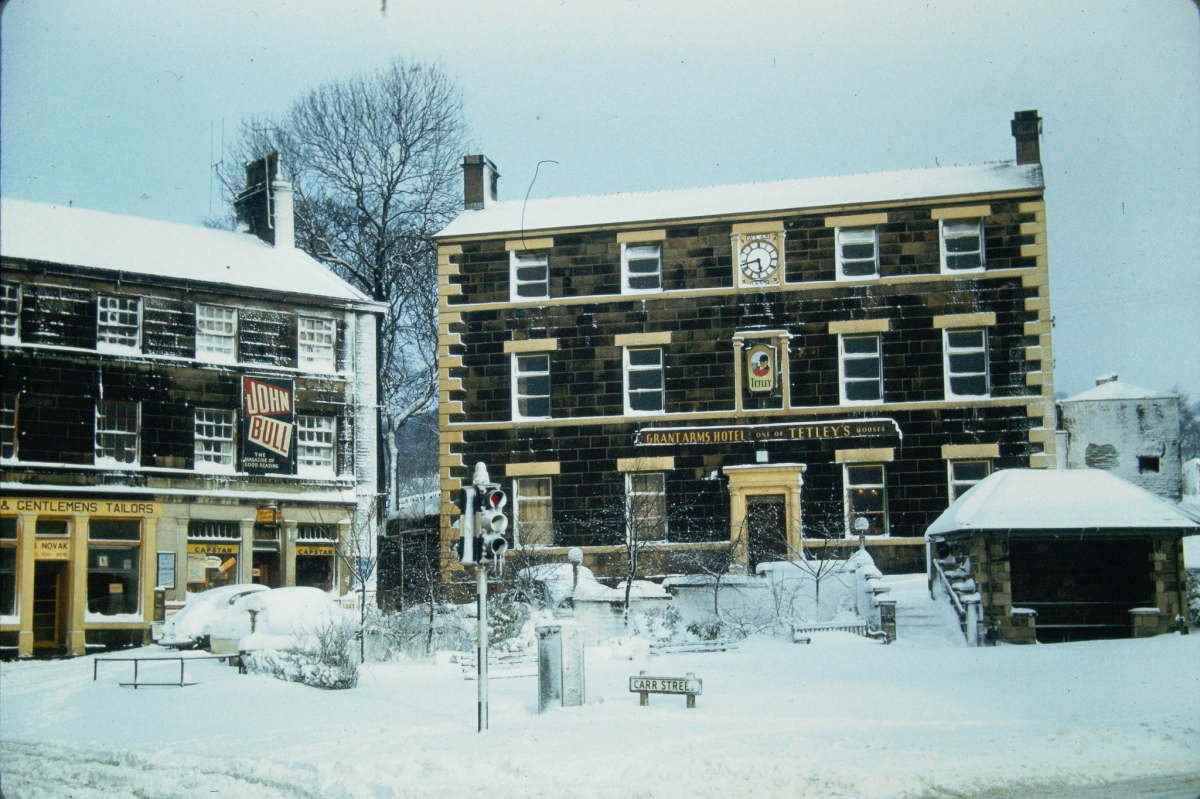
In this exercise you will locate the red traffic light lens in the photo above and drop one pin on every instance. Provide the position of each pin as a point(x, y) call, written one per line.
point(494, 499)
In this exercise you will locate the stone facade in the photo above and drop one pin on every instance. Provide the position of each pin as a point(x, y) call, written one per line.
point(704, 320)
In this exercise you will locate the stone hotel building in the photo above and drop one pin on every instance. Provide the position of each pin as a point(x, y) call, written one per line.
point(769, 366)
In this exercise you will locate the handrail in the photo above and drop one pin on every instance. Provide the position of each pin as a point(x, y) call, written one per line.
point(958, 606)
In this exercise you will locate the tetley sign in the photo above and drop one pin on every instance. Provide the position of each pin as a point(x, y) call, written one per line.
point(785, 431)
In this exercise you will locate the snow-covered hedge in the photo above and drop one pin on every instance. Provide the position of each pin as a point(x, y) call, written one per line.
point(322, 658)
point(1193, 586)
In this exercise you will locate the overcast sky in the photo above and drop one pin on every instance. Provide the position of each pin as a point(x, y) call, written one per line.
point(113, 105)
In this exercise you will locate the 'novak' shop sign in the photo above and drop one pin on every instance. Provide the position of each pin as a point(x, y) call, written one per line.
point(267, 424)
point(785, 431)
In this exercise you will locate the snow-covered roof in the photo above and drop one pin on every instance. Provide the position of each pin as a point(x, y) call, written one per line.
point(135, 245)
point(746, 198)
point(1048, 499)
point(1116, 390)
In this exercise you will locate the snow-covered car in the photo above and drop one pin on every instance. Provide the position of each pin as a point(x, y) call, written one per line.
point(191, 626)
point(281, 618)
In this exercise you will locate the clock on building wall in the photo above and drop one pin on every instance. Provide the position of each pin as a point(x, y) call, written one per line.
point(759, 258)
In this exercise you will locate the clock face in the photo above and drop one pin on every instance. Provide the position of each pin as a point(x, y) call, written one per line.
point(758, 259)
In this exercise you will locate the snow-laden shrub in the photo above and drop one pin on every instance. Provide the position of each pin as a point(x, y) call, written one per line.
point(657, 624)
point(421, 630)
point(323, 657)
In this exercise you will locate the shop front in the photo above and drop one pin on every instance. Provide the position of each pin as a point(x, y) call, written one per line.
point(315, 556)
point(73, 573)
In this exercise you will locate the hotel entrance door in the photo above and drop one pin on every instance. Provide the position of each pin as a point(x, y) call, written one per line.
point(49, 605)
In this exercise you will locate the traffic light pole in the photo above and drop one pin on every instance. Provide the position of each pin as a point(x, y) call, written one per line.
point(481, 659)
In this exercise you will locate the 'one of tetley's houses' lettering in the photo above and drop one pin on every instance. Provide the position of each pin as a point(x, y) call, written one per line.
point(849, 428)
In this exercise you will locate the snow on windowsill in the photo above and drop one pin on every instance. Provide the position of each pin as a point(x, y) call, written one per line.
point(181, 359)
point(107, 464)
point(115, 618)
point(10, 620)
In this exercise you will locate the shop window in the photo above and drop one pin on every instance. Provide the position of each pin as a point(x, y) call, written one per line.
point(316, 340)
point(114, 530)
point(966, 362)
point(643, 380)
point(646, 506)
point(214, 440)
point(533, 512)
point(10, 312)
point(118, 324)
point(866, 498)
point(965, 474)
point(531, 386)
point(117, 433)
point(857, 253)
point(962, 245)
point(529, 275)
point(315, 438)
point(8, 566)
point(316, 532)
point(8, 426)
point(861, 367)
point(212, 554)
point(51, 527)
point(112, 580)
point(216, 333)
point(641, 267)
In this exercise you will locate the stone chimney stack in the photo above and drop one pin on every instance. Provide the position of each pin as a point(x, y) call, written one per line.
point(1027, 129)
point(480, 182)
point(265, 206)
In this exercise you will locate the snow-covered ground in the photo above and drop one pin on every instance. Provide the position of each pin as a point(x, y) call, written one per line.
point(842, 716)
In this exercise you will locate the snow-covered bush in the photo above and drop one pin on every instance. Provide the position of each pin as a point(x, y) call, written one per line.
point(323, 657)
point(420, 631)
point(657, 624)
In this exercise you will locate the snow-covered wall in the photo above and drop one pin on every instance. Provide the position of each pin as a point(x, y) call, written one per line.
point(1137, 439)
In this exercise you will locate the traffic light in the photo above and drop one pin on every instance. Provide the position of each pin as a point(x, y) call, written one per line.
point(494, 523)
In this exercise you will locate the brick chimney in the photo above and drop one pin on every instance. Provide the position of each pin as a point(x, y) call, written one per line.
point(480, 181)
point(265, 206)
point(1026, 129)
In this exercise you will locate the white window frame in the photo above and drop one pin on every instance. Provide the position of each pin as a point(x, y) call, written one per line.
point(515, 284)
point(627, 368)
point(629, 499)
point(942, 225)
point(947, 351)
point(99, 456)
point(8, 424)
point(205, 460)
point(847, 487)
point(626, 276)
point(103, 345)
point(516, 376)
point(839, 244)
point(324, 424)
point(308, 359)
point(843, 358)
point(953, 484)
point(10, 312)
point(207, 352)
point(520, 501)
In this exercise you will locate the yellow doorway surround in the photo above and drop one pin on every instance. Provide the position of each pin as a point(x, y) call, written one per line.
point(759, 479)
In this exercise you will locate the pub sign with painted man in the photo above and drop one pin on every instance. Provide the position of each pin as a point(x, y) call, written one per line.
point(267, 425)
point(760, 368)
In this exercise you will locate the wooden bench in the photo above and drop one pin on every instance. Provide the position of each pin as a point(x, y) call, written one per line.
point(152, 659)
point(643, 685)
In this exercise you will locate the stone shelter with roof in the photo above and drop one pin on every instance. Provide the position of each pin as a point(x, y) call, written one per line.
point(182, 408)
point(1061, 555)
point(770, 367)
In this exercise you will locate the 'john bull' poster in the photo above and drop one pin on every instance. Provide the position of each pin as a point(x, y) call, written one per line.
point(267, 424)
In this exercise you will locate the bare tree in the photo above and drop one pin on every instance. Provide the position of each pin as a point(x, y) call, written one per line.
point(715, 563)
point(373, 160)
point(359, 555)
